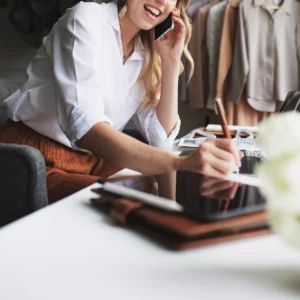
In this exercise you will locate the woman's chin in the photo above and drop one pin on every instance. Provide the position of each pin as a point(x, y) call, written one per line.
point(146, 27)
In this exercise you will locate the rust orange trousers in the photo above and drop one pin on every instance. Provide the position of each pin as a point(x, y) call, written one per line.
point(67, 170)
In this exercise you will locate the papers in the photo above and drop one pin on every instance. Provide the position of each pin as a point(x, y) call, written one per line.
point(190, 142)
point(247, 143)
point(249, 179)
point(218, 128)
point(194, 139)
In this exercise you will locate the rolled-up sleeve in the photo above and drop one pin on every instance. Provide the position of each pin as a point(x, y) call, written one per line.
point(150, 127)
point(74, 49)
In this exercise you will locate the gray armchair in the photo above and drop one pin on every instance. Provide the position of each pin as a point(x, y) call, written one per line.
point(22, 182)
point(22, 168)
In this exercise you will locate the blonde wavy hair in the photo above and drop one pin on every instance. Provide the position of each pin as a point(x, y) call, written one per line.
point(151, 70)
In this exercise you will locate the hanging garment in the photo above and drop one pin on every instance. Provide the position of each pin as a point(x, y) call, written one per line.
point(192, 10)
point(266, 54)
point(191, 13)
point(226, 46)
point(198, 87)
point(214, 33)
point(243, 114)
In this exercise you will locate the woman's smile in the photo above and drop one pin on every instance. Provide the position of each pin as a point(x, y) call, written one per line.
point(152, 12)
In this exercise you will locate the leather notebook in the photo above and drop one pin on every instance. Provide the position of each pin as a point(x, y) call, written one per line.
point(176, 230)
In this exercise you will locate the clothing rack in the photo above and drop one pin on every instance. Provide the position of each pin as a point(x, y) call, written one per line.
point(223, 55)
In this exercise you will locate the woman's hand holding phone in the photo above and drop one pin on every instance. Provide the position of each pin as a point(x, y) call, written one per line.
point(170, 47)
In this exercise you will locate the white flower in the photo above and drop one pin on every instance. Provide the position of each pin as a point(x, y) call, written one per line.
point(279, 139)
point(286, 224)
point(279, 135)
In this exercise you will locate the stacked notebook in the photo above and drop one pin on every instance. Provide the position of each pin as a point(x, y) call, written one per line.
point(206, 210)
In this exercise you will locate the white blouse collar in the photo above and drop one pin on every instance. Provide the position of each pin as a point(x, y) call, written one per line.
point(112, 13)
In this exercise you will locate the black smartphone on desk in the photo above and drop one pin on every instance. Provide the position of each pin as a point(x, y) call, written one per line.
point(163, 28)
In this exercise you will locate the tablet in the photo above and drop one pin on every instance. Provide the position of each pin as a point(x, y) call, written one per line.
point(291, 102)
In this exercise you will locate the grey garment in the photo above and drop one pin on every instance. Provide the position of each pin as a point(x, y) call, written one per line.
point(22, 182)
point(183, 79)
point(194, 6)
point(214, 33)
point(266, 54)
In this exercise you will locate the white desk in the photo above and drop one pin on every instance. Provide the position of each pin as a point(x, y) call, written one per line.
point(71, 251)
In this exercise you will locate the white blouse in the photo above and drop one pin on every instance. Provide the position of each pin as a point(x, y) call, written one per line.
point(78, 79)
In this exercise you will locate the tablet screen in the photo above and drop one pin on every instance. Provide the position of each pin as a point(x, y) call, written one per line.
point(211, 199)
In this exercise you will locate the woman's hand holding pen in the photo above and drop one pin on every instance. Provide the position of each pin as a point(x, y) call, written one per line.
point(170, 48)
point(215, 157)
point(220, 112)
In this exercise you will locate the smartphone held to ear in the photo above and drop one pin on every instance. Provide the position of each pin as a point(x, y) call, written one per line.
point(164, 27)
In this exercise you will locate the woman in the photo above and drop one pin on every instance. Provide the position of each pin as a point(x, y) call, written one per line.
point(98, 68)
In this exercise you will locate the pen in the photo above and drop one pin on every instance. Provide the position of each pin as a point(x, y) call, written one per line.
point(222, 117)
point(223, 120)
